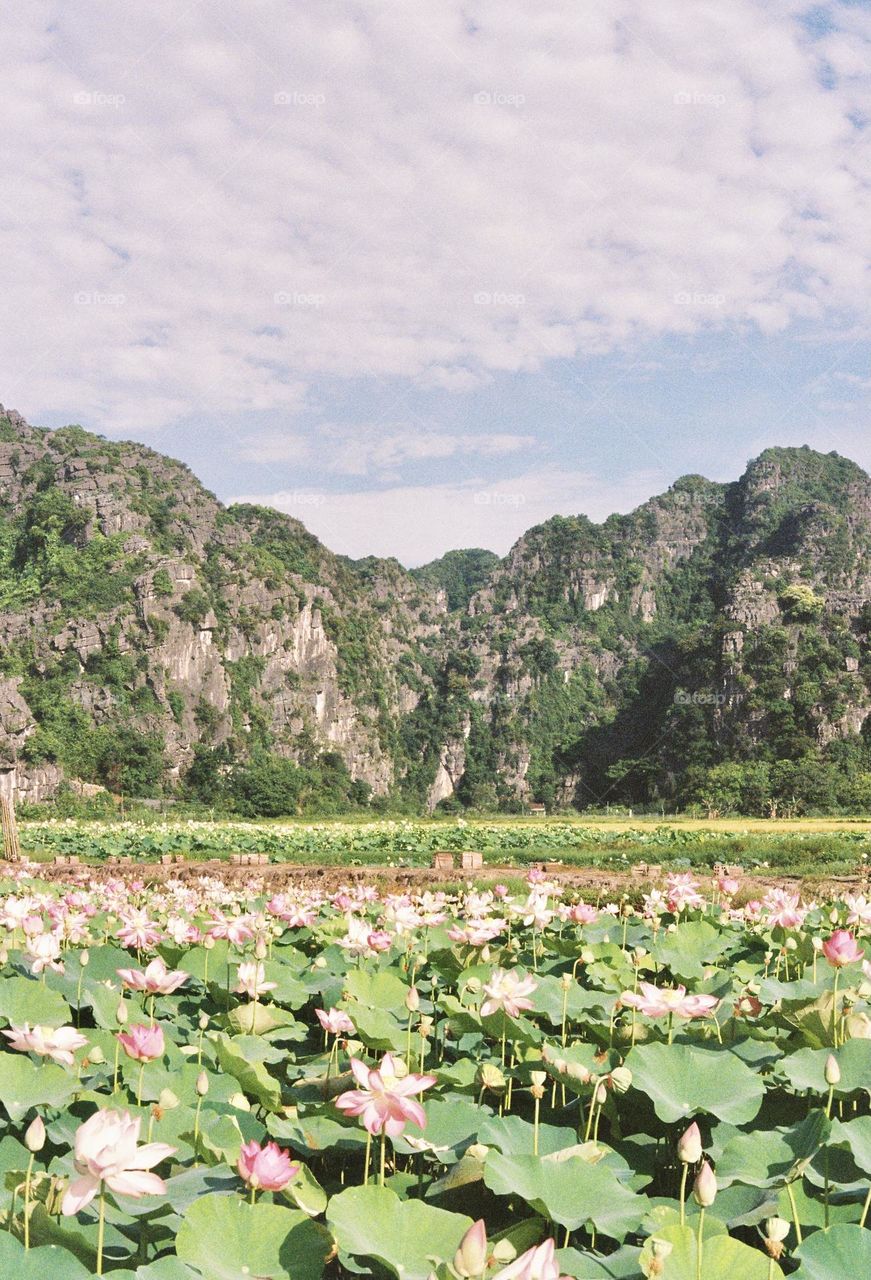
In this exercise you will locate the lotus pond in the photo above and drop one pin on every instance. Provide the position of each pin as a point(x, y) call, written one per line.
point(205, 1081)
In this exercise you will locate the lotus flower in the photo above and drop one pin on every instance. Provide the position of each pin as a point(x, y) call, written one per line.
point(58, 1045)
point(266, 1168)
point(106, 1152)
point(842, 948)
point(538, 1263)
point(251, 980)
point(661, 1002)
point(384, 1098)
point(44, 951)
point(156, 980)
point(335, 1022)
point(508, 991)
point(142, 1043)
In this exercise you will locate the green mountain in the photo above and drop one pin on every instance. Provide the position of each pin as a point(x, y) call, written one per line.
point(709, 647)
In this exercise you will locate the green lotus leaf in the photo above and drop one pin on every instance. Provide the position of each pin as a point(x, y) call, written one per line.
point(840, 1252)
point(27, 1000)
point(682, 1080)
point(225, 1238)
point(22, 1086)
point(723, 1257)
point(408, 1237)
point(769, 1156)
point(806, 1068)
point(569, 1191)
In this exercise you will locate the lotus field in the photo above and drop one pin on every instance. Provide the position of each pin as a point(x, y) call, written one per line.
point(199, 1081)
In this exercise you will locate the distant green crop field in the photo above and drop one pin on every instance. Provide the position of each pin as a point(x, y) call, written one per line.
point(814, 846)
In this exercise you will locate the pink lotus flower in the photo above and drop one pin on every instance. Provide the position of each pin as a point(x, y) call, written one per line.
point(143, 1044)
point(251, 980)
point(660, 1002)
point(728, 885)
point(538, 1263)
point(266, 1168)
point(106, 1152)
point(335, 1022)
point(508, 991)
point(384, 1098)
point(379, 940)
point(583, 913)
point(58, 1045)
point(156, 980)
point(44, 951)
point(842, 948)
point(139, 932)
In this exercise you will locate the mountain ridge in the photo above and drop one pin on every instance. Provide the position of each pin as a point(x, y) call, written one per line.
point(153, 639)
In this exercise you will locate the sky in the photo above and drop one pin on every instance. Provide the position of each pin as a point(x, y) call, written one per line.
point(423, 276)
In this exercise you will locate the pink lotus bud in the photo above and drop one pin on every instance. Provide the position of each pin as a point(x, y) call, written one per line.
point(470, 1260)
point(832, 1071)
point(705, 1186)
point(689, 1146)
point(34, 1138)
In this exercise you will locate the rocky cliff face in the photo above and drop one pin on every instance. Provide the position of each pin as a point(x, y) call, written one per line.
point(589, 660)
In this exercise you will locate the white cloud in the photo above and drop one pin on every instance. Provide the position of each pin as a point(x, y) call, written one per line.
point(246, 200)
point(417, 523)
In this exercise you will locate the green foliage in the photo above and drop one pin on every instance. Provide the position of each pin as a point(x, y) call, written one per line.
point(458, 573)
point(800, 604)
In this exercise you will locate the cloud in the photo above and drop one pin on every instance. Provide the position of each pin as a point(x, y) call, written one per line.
point(417, 523)
point(371, 448)
point(213, 208)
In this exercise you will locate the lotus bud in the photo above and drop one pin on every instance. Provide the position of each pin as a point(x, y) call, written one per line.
point(260, 949)
point(319, 962)
point(566, 981)
point(833, 915)
point(537, 1086)
point(818, 944)
point(203, 1021)
point(504, 1251)
point(471, 1257)
point(832, 1071)
point(208, 942)
point(424, 1027)
point(587, 956)
point(96, 1055)
point(575, 1071)
point(689, 1146)
point(621, 1079)
point(34, 1138)
point(776, 1229)
point(485, 954)
point(705, 1186)
point(121, 1014)
point(84, 958)
point(202, 1084)
point(601, 1094)
point(412, 1001)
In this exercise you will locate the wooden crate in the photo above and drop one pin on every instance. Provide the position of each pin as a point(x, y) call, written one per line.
point(443, 861)
point(471, 861)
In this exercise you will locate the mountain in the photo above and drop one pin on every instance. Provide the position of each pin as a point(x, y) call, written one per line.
point(711, 646)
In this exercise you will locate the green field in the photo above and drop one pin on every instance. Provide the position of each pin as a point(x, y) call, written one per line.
point(801, 847)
